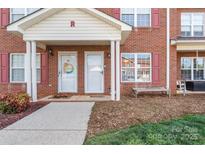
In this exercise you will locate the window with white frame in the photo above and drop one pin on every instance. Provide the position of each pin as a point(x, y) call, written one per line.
point(38, 67)
point(193, 68)
point(138, 17)
point(136, 67)
point(192, 24)
point(17, 13)
point(17, 67)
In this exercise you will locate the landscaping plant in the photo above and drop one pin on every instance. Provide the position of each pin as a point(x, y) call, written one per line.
point(14, 103)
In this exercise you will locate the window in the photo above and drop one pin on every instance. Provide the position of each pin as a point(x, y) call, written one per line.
point(192, 24)
point(198, 69)
point(186, 66)
point(17, 65)
point(136, 67)
point(17, 13)
point(17, 68)
point(38, 67)
point(128, 16)
point(143, 17)
point(139, 17)
point(193, 68)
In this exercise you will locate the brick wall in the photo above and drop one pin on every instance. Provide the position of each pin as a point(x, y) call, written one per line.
point(52, 87)
point(148, 40)
point(140, 40)
point(175, 30)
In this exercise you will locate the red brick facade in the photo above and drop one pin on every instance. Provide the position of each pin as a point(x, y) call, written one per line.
point(139, 41)
point(175, 31)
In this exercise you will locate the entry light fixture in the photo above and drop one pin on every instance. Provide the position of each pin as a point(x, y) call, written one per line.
point(50, 51)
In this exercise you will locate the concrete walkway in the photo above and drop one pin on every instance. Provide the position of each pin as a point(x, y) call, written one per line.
point(56, 123)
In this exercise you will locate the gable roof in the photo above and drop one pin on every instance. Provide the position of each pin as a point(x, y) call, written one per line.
point(39, 15)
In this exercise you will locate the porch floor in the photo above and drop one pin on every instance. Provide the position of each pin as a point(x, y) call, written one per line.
point(78, 98)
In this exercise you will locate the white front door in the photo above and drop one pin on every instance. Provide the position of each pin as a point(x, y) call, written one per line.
point(94, 72)
point(67, 75)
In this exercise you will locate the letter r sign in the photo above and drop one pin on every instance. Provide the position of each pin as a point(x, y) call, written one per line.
point(72, 23)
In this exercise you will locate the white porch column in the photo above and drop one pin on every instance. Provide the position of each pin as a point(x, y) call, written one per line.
point(117, 70)
point(28, 67)
point(112, 50)
point(168, 52)
point(33, 66)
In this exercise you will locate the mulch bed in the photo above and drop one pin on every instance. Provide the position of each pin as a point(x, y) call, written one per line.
point(107, 116)
point(8, 119)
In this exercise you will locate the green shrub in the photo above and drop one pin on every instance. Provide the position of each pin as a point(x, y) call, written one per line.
point(14, 103)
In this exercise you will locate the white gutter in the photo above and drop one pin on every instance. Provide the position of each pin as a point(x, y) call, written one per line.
point(168, 51)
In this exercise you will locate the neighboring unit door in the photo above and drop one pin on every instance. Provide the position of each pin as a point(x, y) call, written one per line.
point(94, 72)
point(67, 72)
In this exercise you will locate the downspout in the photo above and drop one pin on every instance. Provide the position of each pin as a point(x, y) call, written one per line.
point(168, 52)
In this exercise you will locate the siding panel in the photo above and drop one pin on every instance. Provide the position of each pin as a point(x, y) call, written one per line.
point(57, 27)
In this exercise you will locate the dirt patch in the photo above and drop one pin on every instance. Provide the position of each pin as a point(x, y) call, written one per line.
point(108, 116)
point(8, 119)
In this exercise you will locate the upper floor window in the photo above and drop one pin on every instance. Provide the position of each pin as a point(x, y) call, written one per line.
point(138, 17)
point(192, 24)
point(17, 13)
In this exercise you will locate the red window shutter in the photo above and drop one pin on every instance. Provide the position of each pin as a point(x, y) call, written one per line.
point(44, 68)
point(4, 17)
point(116, 13)
point(4, 66)
point(155, 18)
point(156, 67)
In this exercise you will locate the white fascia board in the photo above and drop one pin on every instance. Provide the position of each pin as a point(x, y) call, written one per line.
point(190, 41)
point(30, 19)
point(107, 18)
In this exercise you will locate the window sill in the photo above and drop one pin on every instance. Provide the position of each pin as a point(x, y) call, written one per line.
point(15, 82)
point(136, 82)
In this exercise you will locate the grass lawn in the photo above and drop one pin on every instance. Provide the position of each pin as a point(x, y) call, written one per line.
point(186, 130)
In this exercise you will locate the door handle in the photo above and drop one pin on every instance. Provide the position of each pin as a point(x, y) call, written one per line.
point(101, 72)
point(59, 73)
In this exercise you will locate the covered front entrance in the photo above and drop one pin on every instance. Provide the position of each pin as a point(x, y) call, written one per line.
point(67, 72)
point(79, 28)
point(190, 53)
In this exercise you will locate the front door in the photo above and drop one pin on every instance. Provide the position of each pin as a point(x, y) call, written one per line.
point(94, 72)
point(67, 75)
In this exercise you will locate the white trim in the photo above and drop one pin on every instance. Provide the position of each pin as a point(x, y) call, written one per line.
point(168, 51)
point(85, 70)
point(60, 54)
point(112, 51)
point(135, 67)
point(10, 74)
point(28, 67)
point(44, 13)
point(117, 47)
point(33, 71)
